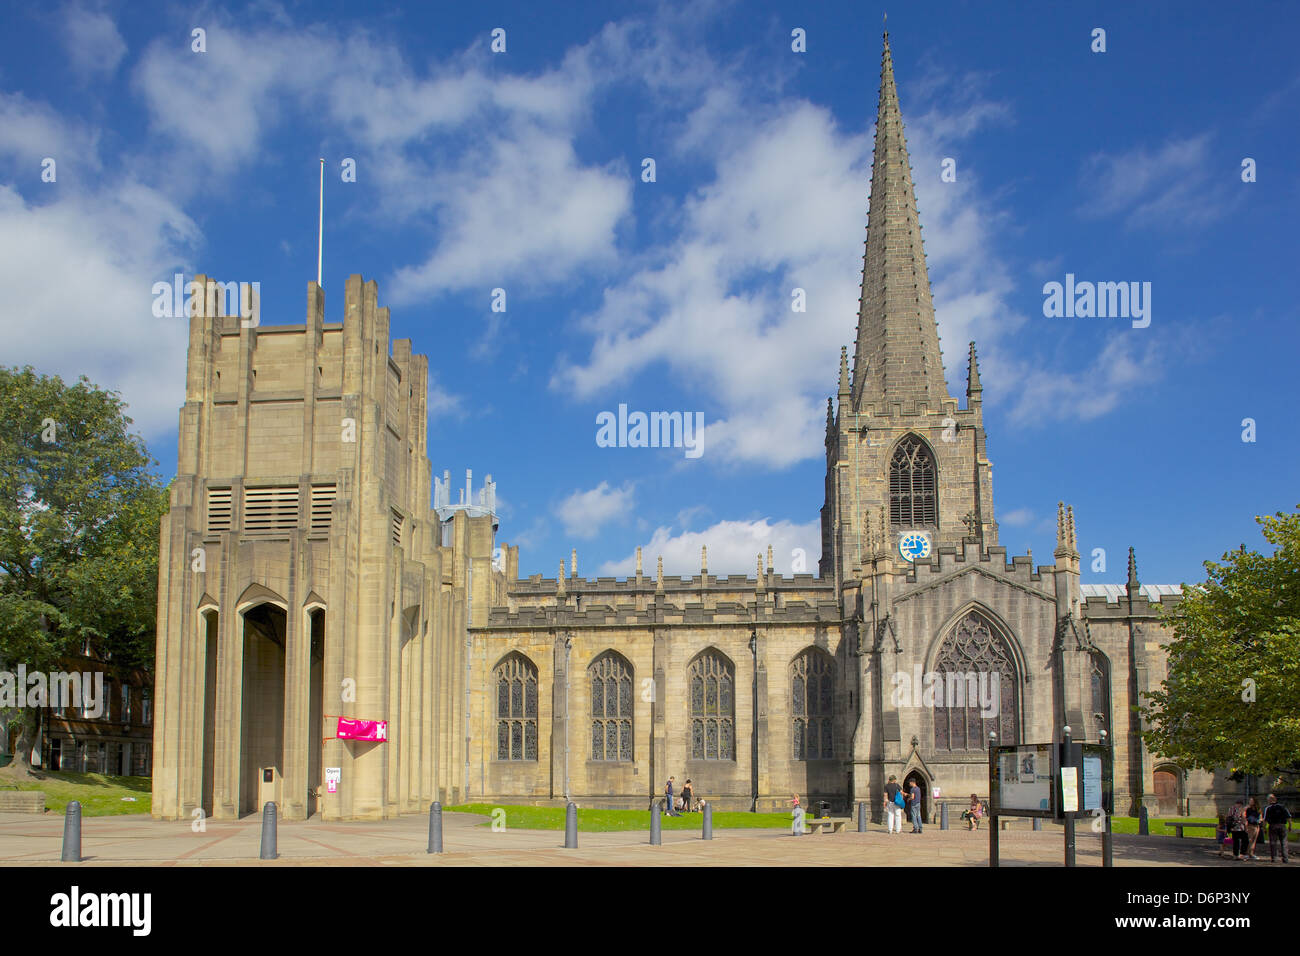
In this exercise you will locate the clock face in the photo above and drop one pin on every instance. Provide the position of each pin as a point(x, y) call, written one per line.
point(913, 545)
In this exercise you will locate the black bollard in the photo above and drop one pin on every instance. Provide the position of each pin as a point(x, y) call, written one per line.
point(943, 816)
point(571, 826)
point(268, 833)
point(656, 826)
point(1144, 827)
point(72, 833)
point(435, 827)
point(862, 816)
point(708, 821)
point(1038, 823)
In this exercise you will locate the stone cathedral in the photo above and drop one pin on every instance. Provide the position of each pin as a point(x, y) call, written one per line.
point(305, 577)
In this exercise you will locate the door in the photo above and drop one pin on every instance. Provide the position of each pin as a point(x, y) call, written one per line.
point(1167, 793)
point(915, 777)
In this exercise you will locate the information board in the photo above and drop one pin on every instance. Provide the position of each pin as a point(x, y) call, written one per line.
point(1023, 781)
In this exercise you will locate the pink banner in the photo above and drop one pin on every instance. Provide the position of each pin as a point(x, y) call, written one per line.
point(350, 729)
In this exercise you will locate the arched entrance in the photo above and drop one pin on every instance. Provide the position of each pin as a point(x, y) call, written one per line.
point(919, 779)
point(1167, 786)
point(261, 728)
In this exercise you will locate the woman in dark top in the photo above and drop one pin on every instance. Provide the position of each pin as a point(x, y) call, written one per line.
point(1237, 824)
point(687, 790)
point(1252, 827)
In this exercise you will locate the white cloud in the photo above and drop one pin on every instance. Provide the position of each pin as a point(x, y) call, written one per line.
point(441, 402)
point(734, 547)
point(29, 132)
point(1043, 395)
point(94, 46)
point(583, 513)
point(1017, 517)
point(82, 270)
point(1177, 185)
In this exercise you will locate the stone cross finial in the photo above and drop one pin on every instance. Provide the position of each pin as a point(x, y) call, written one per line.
point(972, 525)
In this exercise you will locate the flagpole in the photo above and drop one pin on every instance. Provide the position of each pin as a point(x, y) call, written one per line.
point(320, 225)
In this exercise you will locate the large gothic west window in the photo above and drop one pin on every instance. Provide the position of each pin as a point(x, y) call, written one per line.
point(611, 707)
point(712, 679)
point(516, 680)
point(913, 485)
point(967, 659)
point(812, 691)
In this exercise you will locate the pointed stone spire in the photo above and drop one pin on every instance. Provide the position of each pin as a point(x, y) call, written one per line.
point(897, 358)
point(1060, 529)
point(830, 416)
point(1133, 585)
point(973, 388)
point(1071, 540)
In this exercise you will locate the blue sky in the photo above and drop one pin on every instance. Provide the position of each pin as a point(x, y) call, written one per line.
point(522, 170)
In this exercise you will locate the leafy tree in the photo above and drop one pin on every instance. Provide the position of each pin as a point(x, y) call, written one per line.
point(79, 519)
point(1232, 697)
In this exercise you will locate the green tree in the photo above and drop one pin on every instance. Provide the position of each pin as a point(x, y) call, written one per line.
point(79, 519)
point(1232, 697)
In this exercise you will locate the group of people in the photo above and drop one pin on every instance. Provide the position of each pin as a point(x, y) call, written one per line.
point(680, 803)
point(1244, 823)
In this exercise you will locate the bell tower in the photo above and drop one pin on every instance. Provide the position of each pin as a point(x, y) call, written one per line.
point(904, 464)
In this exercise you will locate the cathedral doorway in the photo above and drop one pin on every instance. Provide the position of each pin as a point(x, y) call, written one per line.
point(919, 779)
point(1168, 792)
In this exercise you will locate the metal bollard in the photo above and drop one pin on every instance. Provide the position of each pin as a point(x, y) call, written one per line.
point(72, 833)
point(435, 827)
point(268, 833)
point(862, 816)
point(943, 816)
point(708, 821)
point(1038, 823)
point(656, 826)
point(1144, 826)
point(571, 826)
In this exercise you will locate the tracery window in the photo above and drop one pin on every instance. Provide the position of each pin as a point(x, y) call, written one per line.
point(611, 707)
point(913, 484)
point(516, 680)
point(1100, 701)
point(812, 693)
point(712, 679)
point(968, 658)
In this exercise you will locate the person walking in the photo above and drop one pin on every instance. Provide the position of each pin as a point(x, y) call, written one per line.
point(914, 804)
point(668, 792)
point(1278, 819)
point(894, 805)
point(687, 793)
point(1237, 825)
point(1252, 827)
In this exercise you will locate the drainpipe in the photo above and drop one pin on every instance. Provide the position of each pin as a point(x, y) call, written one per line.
point(568, 646)
point(469, 662)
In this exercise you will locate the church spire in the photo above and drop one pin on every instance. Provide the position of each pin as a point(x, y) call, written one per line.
point(974, 391)
point(897, 357)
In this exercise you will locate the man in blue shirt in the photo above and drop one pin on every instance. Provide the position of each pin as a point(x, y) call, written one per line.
point(914, 804)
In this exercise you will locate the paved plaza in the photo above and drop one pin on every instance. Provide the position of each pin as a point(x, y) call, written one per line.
point(29, 840)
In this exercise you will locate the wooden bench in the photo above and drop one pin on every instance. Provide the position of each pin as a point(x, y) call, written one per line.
point(22, 801)
point(1179, 827)
point(834, 824)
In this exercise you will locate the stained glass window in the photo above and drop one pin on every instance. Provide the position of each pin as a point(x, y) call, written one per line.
point(611, 707)
point(516, 678)
point(968, 659)
point(913, 484)
point(1100, 702)
point(812, 695)
point(713, 712)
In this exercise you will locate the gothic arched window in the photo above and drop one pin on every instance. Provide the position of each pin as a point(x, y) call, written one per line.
point(913, 485)
point(1100, 693)
point(712, 679)
point(611, 707)
point(976, 690)
point(516, 680)
point(812, 693)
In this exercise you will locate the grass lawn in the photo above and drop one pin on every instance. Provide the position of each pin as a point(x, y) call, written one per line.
point(1158, 827)
point(100, 795)
point(596, 821)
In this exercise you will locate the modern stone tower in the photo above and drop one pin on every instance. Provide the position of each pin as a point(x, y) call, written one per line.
point(304, 575)
point(894, 408)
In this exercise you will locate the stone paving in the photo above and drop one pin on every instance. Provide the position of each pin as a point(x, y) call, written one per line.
point(27, 840)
